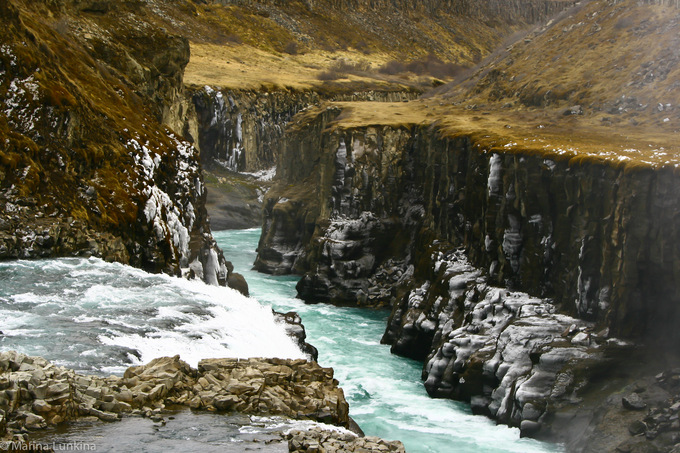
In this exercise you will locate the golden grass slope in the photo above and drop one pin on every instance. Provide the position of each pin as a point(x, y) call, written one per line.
point(615, 64)
point(619, 60)
point(292, 44)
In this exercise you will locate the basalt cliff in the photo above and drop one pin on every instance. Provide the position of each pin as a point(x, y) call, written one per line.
point(522, 229)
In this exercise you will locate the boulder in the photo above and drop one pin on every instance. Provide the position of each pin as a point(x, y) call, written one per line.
point(238, 282)
point(633, 402)
point(226, 402)
point(104, 416)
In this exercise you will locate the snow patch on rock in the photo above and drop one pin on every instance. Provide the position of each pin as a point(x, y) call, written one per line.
point(171, 218)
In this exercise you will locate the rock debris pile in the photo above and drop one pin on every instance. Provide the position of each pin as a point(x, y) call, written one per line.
point(36, 393)
point(658, 425)
point(318, 440)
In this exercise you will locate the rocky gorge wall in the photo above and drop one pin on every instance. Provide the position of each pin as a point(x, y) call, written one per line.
point(241, 130)
point(434, 226)
point(88, 163)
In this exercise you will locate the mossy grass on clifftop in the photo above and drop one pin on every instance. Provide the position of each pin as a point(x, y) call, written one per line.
point(545, 133)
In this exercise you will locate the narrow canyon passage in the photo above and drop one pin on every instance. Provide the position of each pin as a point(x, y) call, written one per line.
point(385, 393)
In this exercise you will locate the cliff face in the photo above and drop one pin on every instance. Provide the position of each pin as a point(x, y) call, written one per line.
point(381, 215)
point(89, 165)
point(596, 237)
point(242, 130)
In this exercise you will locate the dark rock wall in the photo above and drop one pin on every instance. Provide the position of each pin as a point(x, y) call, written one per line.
point(291, 211)
point(433, 226)
point(242, 130)
point(596, 237)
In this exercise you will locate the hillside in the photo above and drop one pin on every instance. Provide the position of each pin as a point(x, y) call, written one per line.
point(605, 72)
point(336, 45)
point(89, 165)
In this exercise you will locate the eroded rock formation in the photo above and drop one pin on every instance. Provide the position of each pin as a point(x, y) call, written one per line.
point(37, 393)
point(381, 215)
point(89, 165)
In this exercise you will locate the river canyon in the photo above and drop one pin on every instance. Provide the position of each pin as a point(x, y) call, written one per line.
point(499, 214)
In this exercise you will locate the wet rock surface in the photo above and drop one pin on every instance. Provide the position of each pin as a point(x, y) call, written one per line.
point(513, 357)
point(659, 428)
point(436, 226)
point(37, 394)
point(296, 330)
point(529, 222)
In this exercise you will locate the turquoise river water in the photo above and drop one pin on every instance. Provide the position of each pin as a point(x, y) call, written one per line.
point(100, 318)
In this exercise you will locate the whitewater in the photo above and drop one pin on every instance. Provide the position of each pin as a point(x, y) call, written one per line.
point(100, 318)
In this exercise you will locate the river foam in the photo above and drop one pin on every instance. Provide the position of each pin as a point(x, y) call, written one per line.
point(102, 317)
point(385, 393)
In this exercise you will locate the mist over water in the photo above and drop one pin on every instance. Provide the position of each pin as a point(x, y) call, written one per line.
point(100, 318)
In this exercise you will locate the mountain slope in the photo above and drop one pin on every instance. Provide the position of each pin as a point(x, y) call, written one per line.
point(87, 164)
point(618, 60)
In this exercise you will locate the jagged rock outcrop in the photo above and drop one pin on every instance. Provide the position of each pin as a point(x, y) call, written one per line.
point(378, 215)
point(296, 330)
point(88, 163)
point(241, 129)
point(37, 394)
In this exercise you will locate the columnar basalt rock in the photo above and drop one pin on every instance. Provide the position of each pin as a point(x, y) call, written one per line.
point(394, 209)
point(242, 130)
point(290, 218)
point(533, 221)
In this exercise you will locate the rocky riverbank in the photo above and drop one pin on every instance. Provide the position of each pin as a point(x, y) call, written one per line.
point(37, 394)
point(318, 440)
point(436, 226)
